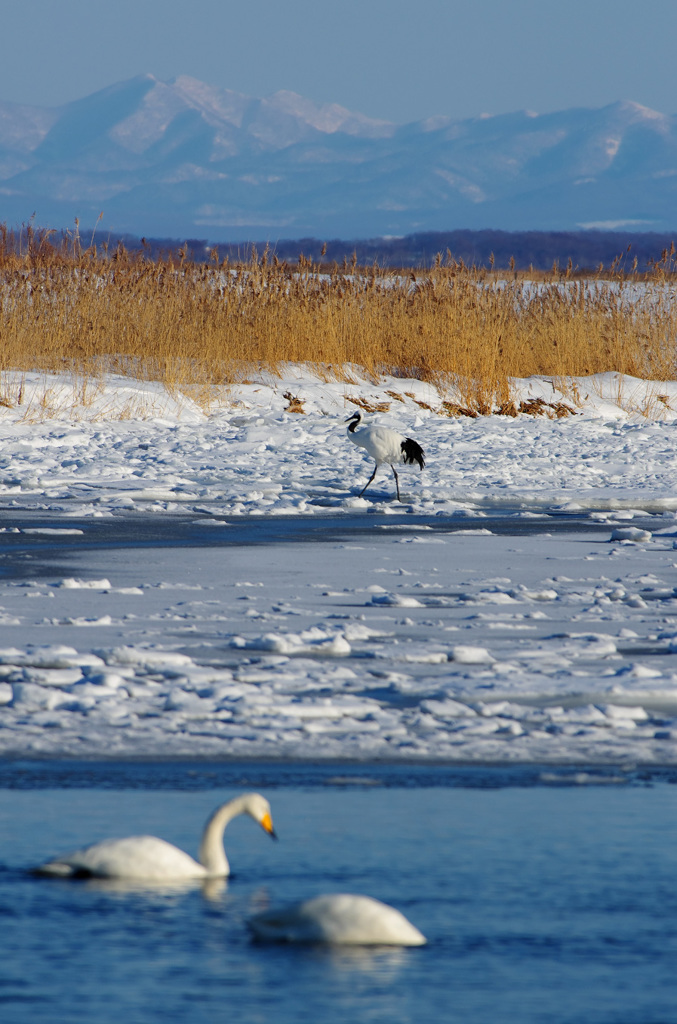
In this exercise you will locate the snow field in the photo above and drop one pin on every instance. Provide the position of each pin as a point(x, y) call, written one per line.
point(251, 457)
point(468, 628)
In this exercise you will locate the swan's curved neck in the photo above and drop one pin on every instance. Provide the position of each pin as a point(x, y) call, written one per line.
point(212, 855)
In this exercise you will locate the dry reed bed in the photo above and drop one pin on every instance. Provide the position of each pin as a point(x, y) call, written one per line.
point(193, 325)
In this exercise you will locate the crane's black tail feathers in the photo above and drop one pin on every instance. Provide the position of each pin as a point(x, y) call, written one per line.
point(412, 452)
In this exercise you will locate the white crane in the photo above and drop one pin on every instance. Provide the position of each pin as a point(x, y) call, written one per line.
point(384, 446)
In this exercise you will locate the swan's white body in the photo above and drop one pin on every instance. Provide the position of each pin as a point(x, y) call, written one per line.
point(151, 859)
point(341, 919)
point(385, 446)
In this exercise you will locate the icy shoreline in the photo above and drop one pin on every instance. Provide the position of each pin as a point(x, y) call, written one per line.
point(252, 456)
point(202, 586)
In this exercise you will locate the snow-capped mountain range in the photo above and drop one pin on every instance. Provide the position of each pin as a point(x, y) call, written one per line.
point(186, 159)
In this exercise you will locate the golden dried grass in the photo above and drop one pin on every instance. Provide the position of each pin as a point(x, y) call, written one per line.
point(195, 325)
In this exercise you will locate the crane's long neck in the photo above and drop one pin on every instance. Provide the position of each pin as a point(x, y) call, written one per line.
point(212, 855)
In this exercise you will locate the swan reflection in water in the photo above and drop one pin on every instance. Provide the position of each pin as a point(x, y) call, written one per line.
point(211, 889)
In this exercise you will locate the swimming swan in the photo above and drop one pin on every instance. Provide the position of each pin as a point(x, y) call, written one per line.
point(152, 859)
point(342, 919)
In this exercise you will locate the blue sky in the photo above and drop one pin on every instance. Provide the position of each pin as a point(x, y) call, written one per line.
point(394, 59)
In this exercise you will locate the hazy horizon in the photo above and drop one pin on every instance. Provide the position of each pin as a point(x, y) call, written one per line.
point(329, 102)
point(379, 58)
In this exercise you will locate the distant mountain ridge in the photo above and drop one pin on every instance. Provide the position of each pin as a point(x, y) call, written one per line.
point(184, 158)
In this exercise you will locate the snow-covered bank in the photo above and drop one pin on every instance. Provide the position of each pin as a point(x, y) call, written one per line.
point(252, 455)
point(472, 622)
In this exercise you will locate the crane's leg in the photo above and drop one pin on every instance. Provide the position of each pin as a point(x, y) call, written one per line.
point(397, 483)
point(368, 482)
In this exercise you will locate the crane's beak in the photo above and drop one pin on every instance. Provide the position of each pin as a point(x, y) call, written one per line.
point(354, 416)
point(267, 825)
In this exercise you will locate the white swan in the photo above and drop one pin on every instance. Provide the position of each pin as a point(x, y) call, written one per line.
point(151, 859)
point(342, 919)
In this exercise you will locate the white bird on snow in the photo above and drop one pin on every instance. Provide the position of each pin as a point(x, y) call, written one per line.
point(149, 859)
point(385, 446)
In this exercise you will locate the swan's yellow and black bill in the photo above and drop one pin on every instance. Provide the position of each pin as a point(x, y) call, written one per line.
point(267, 824)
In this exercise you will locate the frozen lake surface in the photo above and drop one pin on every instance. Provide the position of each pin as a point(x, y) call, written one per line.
point(497, 637)
point(190, 583)
point(541, 900)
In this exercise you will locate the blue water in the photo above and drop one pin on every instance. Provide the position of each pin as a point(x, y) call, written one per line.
point(541, 903)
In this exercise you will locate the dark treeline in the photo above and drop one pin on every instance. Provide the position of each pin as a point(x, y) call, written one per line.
point(584, 251)
point(539, 250)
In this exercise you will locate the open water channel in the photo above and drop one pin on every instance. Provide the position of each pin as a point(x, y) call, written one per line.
point(546, 895)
